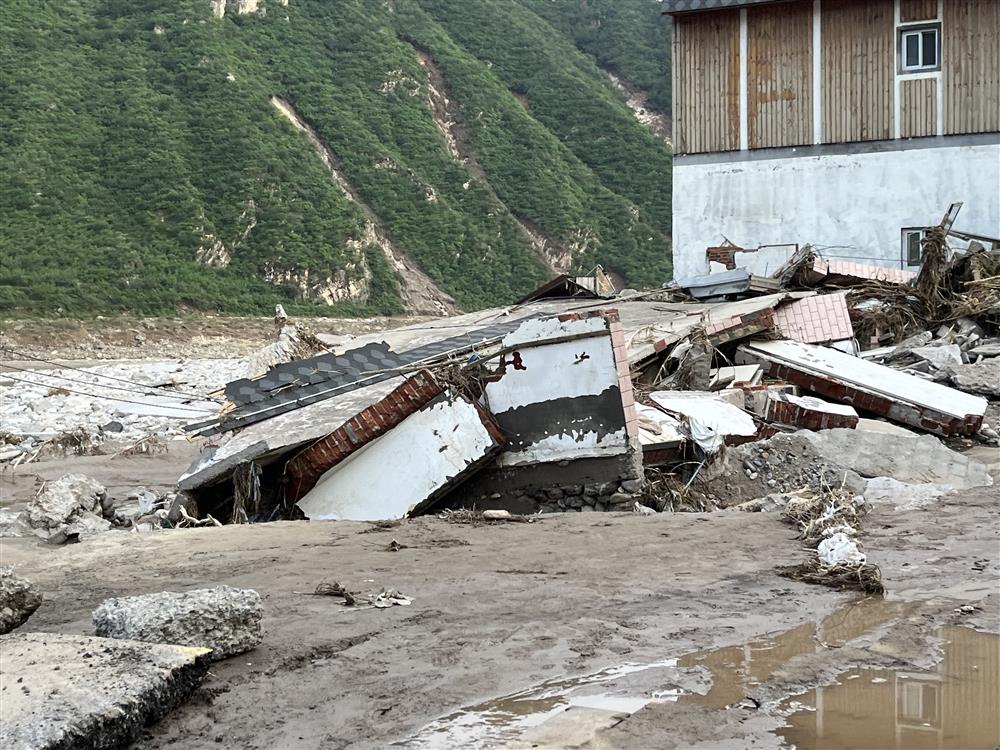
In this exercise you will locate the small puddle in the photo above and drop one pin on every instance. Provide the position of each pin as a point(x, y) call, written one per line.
point(571, 710)
point(957, 705)
point(736, 670)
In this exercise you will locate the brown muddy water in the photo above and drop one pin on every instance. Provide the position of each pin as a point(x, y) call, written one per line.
point(955, 706)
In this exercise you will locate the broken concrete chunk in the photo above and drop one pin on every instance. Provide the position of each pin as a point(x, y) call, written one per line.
point(808, 413)
point(59, 500)
point(18, 600)
point(940, 356)
point(982, 377)
point(224, 619)
point(71, 691)
point(915, 459)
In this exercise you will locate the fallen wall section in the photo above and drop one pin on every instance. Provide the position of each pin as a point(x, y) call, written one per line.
point(868, 386)
point(409, 467)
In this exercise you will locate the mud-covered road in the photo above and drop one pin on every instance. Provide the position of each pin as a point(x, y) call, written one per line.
point(507, 608)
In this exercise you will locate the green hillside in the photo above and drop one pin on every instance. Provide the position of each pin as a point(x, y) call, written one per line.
point(151, 162)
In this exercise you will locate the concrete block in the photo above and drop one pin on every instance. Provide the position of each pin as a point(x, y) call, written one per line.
point(224, 619)
point(71, 691)
point(18, 600)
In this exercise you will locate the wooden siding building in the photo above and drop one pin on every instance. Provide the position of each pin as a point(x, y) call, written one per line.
point(804, 72)
point(850, 125)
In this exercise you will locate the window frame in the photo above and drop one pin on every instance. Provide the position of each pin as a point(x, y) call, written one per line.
point(902, 32)
point(904, 235)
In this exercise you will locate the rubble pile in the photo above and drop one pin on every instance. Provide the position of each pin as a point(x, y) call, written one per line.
point(707, 393)
point(224, 619)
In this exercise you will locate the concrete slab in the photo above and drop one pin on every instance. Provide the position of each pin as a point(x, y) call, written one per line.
point(80, 692)
point(869, 386)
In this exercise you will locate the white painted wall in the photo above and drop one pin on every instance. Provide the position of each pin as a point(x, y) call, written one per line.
point(850, 205)
point(400, 469)
point(585, 367)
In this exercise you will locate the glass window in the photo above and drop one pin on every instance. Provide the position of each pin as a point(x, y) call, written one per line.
point(912, 253)
point(929, 49)
point(919, 48)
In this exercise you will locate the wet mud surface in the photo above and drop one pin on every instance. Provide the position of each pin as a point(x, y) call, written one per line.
point(626, 631)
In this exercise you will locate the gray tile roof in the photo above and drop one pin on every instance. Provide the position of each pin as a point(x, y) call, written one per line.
point(681, 6)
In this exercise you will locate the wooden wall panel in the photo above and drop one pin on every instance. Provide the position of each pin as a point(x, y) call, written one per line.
point(779, 73)
point(707, 59)
point(859, 63)
point(970, 59)
point(918, 107)
point(917, 10)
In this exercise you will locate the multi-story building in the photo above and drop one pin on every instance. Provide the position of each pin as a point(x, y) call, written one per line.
point(846, 124)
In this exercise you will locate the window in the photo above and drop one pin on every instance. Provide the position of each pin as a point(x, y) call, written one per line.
point(920, 48)
point(913, 252)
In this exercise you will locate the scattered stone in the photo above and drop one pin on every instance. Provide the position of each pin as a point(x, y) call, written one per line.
point(224, 619)
point(631, 486)
point(71, 691)
point(940, 356)
point(18, 600)
point(13, 523)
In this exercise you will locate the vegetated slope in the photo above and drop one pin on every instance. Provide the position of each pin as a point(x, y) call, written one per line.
point(628, 39)
point(349, 157)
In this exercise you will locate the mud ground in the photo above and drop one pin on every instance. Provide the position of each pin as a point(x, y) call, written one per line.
point(194, 336)
point(498, 609)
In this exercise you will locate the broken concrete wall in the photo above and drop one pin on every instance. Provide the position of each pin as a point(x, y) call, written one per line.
point(868, 386)
point(409, 467)
point(560, 397)
point(564, 401)
point(305, 470)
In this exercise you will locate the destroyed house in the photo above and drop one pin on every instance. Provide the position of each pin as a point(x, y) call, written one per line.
point(844, 124)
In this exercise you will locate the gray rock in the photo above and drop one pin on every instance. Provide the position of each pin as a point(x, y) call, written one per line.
point(621, 498)
point(18, 599)
point(573, 489)
point(601, 507)
point(13, 523)
point(631, 485)
point(224, 619)
point(555, 493)
point(587, 509)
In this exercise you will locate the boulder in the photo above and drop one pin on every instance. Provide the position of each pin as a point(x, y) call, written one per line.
point(18, 599)
point(224, 619)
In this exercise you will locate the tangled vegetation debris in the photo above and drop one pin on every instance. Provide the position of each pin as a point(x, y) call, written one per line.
point(829, 521)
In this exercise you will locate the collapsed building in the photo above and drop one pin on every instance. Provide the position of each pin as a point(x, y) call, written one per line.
point(566, 399)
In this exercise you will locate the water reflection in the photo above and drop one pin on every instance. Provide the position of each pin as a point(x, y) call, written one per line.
point(955, 706)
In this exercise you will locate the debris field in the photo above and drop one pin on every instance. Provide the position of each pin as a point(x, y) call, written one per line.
point(393, 527)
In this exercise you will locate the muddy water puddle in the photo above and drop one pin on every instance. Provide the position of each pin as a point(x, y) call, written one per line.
point(957, 705)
